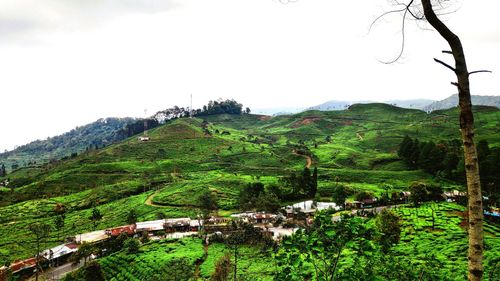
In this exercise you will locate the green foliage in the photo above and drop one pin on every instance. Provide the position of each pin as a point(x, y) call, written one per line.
point(208, 203)
point(389, 227)
point(340, 194)
point(320, 252)
point(101, 132)
point(132, 245)
point(132, 216)
point(96, 216)
point(222, 271)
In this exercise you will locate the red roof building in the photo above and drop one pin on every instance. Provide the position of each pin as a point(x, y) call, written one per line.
point(20, 265)
point(128, 229)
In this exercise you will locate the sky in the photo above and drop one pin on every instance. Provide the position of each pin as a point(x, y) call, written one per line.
point(65, 63)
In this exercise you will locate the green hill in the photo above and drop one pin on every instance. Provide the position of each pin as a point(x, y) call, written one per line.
point(163, 176)
point(99, 133)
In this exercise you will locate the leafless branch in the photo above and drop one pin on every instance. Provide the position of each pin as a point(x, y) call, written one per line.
point(480, 71)
point(445, 64)
point(447, 52)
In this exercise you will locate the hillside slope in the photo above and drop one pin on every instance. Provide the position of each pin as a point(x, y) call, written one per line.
point(99, 133)
point(223, 153)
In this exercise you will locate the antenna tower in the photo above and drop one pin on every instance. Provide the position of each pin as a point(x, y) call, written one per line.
point(191, 108)
point(145, 122)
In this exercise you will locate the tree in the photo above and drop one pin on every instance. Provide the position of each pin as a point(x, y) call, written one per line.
point(93, 272)
point(207, 203)
point(340, 194)
point(222, 268)
point(132, 217)
point(314, 183)
point(389, 226)
point(60, 210)
point(59, 223)
point(321, 246)
point(132, 245)
point(3, 172)
point(84, 251)
point(466, 120)
point(268, 202)
point(475, 202)
point(95, 217)
point(418, 193)
point(40, 231)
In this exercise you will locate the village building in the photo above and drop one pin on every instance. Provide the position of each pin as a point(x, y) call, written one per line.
point(149, 226)
point(127, 229)
point(256, 217)
point(92, 237)
point(308, 208)
point(453, 196)
point(59, 253)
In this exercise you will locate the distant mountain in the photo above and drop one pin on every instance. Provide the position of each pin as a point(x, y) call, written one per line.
point(452, 101)
point(97, 134)
point(411, 104)
point(340, 105)
point(275, 111)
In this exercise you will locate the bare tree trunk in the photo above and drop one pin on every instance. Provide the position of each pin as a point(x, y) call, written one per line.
point(475, 205)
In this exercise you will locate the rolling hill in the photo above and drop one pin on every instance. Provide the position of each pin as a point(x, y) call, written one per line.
point(223, 153)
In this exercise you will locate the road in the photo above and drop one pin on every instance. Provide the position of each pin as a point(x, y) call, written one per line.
point(57, 273)
point(367, 210)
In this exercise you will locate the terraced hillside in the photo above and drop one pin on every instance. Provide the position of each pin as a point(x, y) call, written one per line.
point(222, 153)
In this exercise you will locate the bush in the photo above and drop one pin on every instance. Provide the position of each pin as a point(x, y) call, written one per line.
point(132, 245)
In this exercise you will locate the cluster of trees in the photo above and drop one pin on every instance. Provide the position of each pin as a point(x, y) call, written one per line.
point(292, 187)
point(3, 172)
point(299, 186)
point(489, 167)
point(137, 128)
point(228, 106)
point(431, 157)
point(445, 159)
point(255, 196)
point(421, 192)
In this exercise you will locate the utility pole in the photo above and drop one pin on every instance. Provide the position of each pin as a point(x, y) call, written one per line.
point(191, 108)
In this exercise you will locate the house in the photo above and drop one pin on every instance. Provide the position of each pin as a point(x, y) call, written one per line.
point(369, 202)
point(59, 252)
point(454, 195)
point(195, 225)
point(143, 138)
point(23, 266)
point(149, 226)
point(175, 225)
point(353, 204)
point(255, 217)
point(309, 207)
point(127, 229)
point(92, 237)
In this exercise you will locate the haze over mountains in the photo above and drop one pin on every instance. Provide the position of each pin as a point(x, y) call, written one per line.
point(422, 104)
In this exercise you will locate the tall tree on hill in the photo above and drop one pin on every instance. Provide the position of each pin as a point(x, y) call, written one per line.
point(475, 203)
point(95, 217)
point(425, 10)
point(208, 203)
point(3, 173)
point(40, 232)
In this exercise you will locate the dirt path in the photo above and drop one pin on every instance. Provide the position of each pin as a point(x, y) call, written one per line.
point(149, 200)
point(308, 159)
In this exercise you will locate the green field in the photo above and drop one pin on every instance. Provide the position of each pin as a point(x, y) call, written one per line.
point(163, 177)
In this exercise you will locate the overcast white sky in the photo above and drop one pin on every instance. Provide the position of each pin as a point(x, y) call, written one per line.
point(65, 63)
